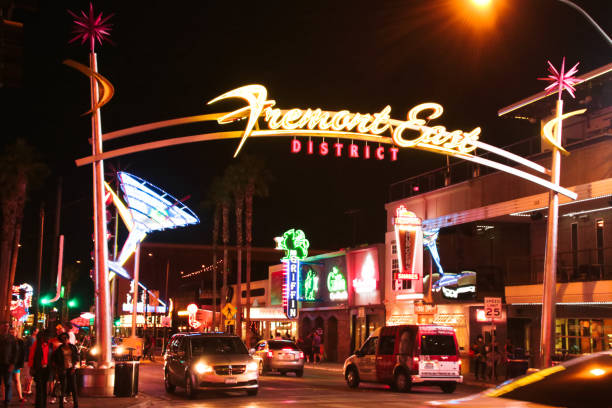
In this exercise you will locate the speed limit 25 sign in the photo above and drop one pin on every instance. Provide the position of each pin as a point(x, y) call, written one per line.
point(493, 308)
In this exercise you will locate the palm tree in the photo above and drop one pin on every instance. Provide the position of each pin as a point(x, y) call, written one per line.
point(257, 181)
point(236, 178)
point(218, 196)
point(19, 169)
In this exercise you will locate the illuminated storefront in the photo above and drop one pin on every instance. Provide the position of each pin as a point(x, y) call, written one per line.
point(341, 293)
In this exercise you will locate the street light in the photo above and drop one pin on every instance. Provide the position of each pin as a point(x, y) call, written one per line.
point(486, 3)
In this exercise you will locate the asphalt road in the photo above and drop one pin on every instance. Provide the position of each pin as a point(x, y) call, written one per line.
point(318, 388)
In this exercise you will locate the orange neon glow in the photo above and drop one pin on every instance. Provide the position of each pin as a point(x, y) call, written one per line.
point(341, 125)
point(548, 130)
point(107, 90)
point(435, 138)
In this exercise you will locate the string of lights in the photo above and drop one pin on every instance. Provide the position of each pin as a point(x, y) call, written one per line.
point(204, 269)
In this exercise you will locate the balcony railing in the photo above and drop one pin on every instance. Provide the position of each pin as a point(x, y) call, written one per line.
point(574, 266)
point(464, 170)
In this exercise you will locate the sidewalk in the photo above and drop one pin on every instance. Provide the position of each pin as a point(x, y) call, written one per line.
point(139, 401)
point(468, 378)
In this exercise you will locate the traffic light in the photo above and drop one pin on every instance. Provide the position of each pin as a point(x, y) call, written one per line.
point(72, 303)
point(45, 300)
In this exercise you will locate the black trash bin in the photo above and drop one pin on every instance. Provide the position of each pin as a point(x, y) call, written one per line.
point(126, 378)
point(516, 367)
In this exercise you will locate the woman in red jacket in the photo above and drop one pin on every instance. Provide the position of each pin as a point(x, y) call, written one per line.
point(39, 361)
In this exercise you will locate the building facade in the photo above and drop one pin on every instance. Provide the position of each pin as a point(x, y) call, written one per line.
point(491, 230)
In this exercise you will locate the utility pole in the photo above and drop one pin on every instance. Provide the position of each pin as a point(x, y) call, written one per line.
point(39, 262)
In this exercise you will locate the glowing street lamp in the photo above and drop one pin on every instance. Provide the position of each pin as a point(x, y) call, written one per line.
point(481, 3)
point(486, 3)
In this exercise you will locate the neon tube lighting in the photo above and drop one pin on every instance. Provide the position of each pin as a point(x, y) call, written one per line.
point(586, 212)
point(526, 212)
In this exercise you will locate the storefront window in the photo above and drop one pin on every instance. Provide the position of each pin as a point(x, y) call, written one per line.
point(579, 336)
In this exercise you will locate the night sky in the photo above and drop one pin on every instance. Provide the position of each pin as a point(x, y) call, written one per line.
point(170, 58)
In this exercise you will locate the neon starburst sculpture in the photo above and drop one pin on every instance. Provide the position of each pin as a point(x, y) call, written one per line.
point(561, 80)
point(91, 28)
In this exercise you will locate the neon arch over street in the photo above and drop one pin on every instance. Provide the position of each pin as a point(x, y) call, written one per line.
point(379, 127)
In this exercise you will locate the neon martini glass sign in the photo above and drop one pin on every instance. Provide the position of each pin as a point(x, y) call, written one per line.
point(295, 245)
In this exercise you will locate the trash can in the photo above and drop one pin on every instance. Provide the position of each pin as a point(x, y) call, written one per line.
point(126, 378)
point(516, 368)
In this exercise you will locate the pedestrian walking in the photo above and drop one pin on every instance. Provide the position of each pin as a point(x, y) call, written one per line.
point(316, 347)
point(26, 372)
point(19, 362)
point(7, 360)
point(39, 361)
point(493, 361)
point(481, 358)
point(64, 360)
point(308, 346)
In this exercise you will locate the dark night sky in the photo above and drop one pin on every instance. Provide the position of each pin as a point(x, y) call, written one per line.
point(169, 60)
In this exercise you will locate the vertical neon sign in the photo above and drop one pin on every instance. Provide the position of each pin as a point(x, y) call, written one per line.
point(407, 225)
point(295, 245)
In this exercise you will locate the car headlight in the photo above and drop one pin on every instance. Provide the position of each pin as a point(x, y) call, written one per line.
point(94, 351)
point(202, 368)
point(252, 366)
point(119, 350)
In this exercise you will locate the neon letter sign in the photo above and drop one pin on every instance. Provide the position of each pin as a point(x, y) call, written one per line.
point(295, 245)
point(407, 225)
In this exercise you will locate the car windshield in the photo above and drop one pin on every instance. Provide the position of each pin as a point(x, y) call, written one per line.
point(278, 345)
point(438, 345)
point(203, 346)
point(581, 382)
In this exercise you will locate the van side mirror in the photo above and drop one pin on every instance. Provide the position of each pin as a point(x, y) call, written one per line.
point(461, 348)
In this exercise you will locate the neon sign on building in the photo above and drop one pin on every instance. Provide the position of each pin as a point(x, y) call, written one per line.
point(295, 245)
point(367, 282)
point(407, 229)
point(311, 286)
point(336, 285)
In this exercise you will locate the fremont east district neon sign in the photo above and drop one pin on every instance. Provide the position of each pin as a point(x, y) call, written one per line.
point(414, 132)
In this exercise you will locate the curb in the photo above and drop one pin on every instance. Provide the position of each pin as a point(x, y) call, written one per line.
point(323, 368)
point(480, 384)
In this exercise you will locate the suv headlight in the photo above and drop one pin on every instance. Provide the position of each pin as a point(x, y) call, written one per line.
point(252, 366)
point(202, 368)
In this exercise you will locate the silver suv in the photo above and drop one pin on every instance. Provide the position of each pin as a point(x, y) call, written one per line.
point(209, 361)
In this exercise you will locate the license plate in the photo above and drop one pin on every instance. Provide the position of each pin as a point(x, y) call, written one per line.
point(232, 380)
point(288, 357)
point(429, 366)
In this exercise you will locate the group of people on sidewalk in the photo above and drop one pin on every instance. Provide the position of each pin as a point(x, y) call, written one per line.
point(48, 359)
point(312, 346)
point(487, 360)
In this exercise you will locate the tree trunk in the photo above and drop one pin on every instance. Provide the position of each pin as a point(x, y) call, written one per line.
point(12, 216)
point(249, 193)
point(239, 198)
point(214, 268)
point(225, 215)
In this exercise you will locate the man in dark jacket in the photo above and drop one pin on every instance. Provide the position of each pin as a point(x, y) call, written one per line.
point(7, 360)
point(64, 361)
